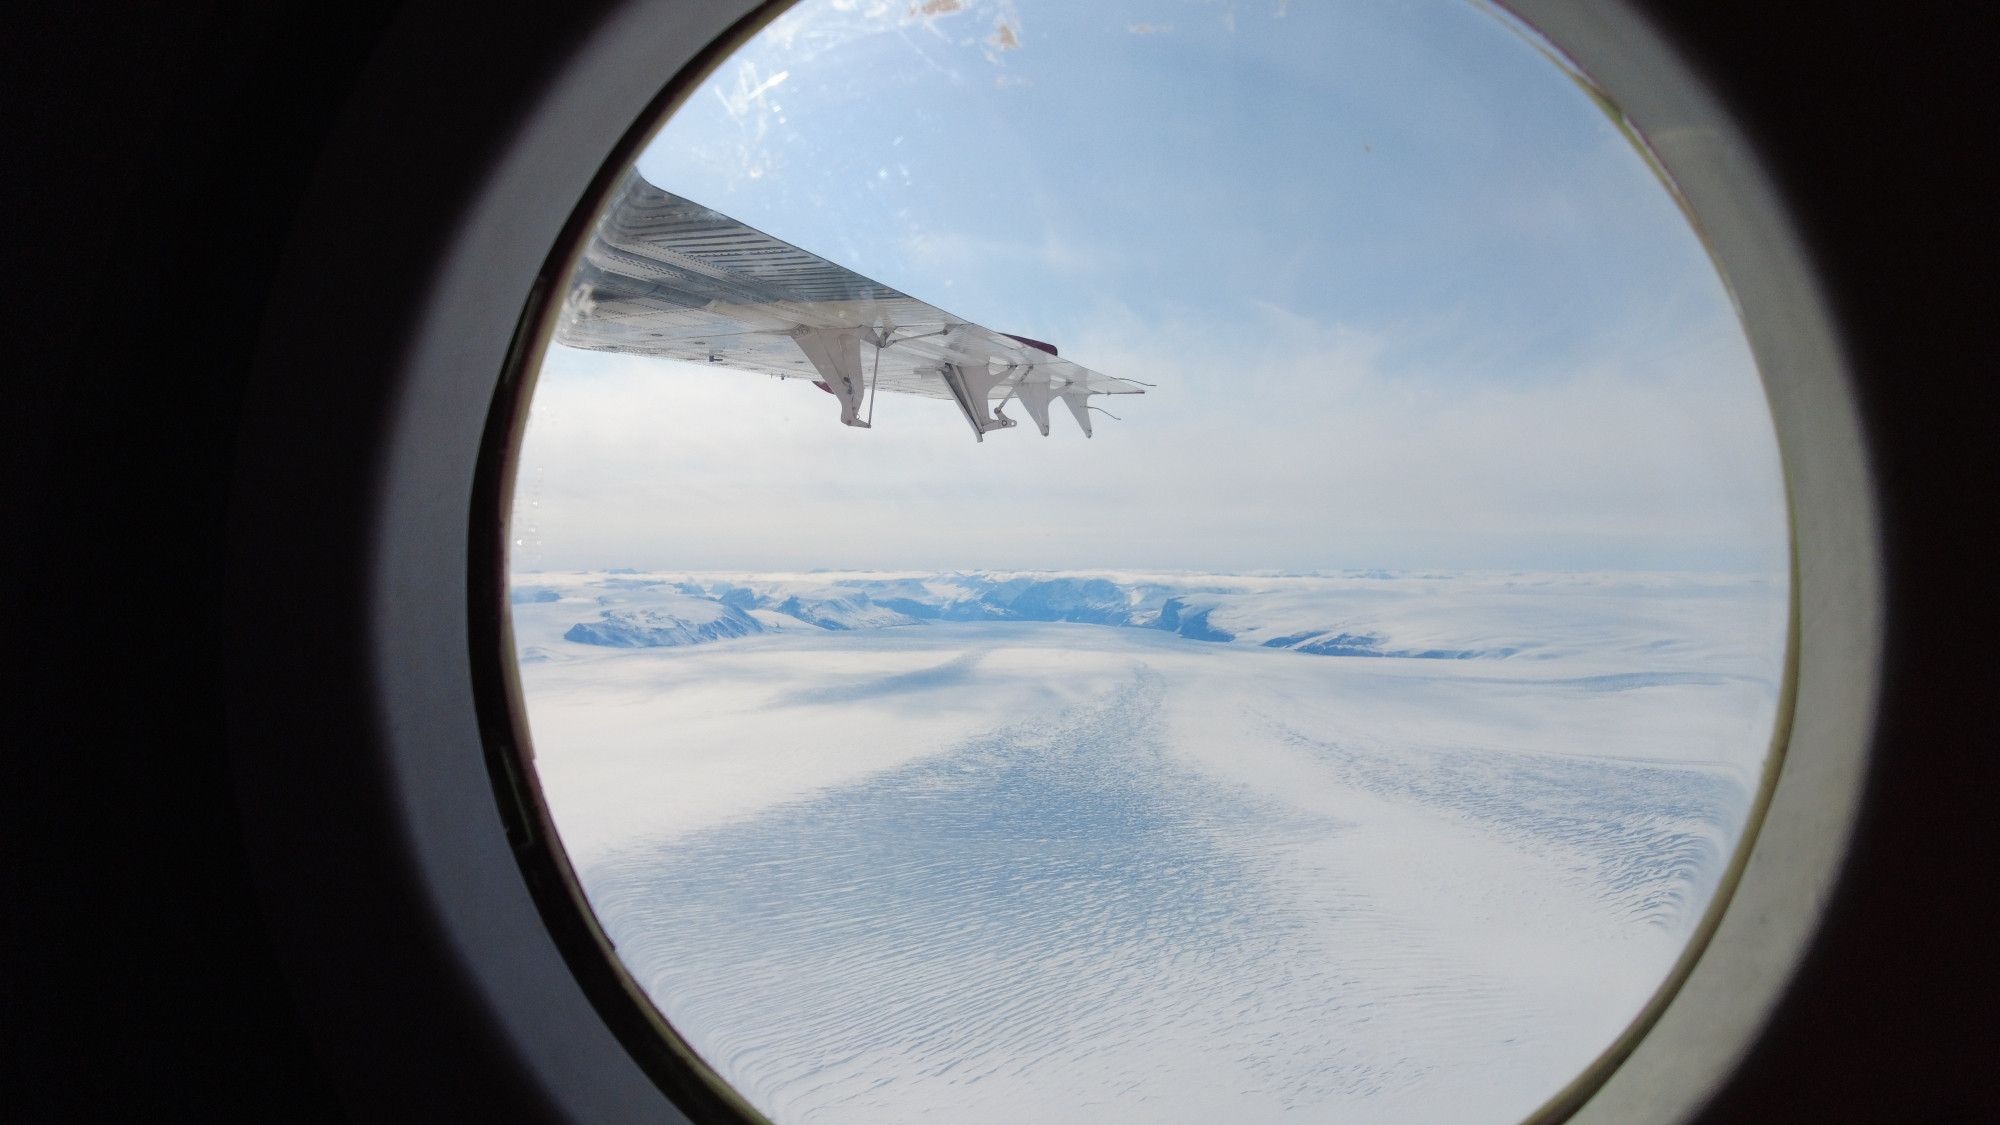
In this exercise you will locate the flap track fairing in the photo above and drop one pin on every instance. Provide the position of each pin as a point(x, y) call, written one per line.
point(1078, 400)
point(1036, 394)
point(970, 388)
point(836, 354)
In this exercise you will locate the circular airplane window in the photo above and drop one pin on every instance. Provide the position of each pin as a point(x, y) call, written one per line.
point(1148, 561)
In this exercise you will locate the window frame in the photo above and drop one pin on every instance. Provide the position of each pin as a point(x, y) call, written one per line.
point(415, 390)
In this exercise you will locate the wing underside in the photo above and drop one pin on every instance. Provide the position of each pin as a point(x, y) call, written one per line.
point(666, 277)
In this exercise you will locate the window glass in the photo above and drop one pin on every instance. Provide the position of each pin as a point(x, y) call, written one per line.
point(1348, 710)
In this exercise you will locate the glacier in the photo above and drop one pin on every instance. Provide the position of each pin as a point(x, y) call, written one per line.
point(994, 846)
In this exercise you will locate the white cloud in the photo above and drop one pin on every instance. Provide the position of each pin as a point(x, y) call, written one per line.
point(1274, 444)
point(934, 248)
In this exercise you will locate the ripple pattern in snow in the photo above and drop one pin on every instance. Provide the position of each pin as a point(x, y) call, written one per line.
point(1057, 916)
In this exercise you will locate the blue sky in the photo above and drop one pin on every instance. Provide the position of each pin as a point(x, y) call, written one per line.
point(1411, 299)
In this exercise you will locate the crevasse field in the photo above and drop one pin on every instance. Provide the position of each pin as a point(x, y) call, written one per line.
point(1086, 847)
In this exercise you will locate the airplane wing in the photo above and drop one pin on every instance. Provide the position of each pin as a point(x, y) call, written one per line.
point(664, 276)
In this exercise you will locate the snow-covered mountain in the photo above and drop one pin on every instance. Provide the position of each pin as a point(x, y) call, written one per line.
point(676, 620)
point(1456, 616)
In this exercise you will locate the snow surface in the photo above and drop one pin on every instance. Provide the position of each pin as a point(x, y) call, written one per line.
point(986, 847)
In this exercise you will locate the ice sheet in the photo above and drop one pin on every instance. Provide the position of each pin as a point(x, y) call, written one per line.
point(1061, 871)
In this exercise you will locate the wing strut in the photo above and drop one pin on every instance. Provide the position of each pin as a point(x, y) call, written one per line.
point(872, 377)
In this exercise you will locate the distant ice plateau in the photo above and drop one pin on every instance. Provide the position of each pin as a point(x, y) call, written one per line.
point(1363, 613)
point(1087, 846)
